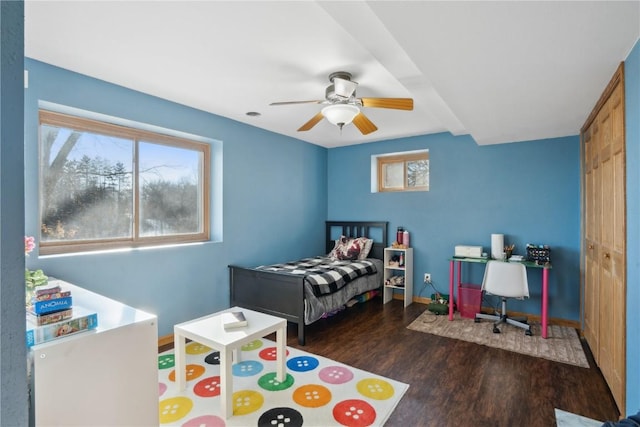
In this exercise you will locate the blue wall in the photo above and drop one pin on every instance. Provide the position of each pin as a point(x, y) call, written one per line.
point(274, 202)
point(528, 191)
point(632, 107)
point(277, 191)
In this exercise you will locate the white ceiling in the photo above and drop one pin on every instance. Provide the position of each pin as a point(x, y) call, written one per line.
point(499, 71)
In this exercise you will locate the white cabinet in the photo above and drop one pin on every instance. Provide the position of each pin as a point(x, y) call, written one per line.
point(394, 270)
point(108, 376)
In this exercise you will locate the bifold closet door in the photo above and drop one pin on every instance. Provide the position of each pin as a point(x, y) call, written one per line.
point(604, 243)
point(591, 258)
point(612, 247)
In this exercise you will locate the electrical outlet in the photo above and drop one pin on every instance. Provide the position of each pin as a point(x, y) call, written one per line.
point(427, 277)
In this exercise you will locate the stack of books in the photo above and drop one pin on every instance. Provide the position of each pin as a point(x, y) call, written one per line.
point(50, 314)
point(50, 304)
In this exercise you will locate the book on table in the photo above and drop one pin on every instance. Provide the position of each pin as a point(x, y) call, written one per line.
point(233, 319)
point(51, 287)
point(50, 305)
point(82, 320)
point(48, 318)
point(50, 296)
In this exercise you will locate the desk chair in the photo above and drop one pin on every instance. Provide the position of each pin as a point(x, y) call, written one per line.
point(506, 280)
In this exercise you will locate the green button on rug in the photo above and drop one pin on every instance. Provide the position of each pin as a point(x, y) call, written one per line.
point(316, 392)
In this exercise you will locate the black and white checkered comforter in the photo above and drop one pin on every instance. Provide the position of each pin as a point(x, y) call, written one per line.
point(324, 274)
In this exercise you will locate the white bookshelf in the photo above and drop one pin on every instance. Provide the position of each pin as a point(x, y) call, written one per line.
point(107, 376)
point(405, 270)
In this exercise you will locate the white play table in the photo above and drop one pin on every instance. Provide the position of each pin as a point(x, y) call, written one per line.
point(208, 330)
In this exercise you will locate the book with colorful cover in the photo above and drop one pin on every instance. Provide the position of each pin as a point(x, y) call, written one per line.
point(48, 306)
point(48, 318)
point(83, 320)
point(51, 287)
point(46, 297)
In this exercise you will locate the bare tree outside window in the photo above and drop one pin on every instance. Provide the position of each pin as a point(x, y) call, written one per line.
point(106, 186)
point(404, 172)
point(169, 200)
point(418, 173)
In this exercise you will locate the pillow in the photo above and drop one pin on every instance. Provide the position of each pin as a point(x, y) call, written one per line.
point(365, 245)
point(346, 249)
point(333, 255)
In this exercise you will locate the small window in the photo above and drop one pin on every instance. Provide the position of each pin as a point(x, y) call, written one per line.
point(403, 172)
point(105, 186)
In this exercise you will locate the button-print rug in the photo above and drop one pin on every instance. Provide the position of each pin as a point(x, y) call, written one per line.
point(316, 391)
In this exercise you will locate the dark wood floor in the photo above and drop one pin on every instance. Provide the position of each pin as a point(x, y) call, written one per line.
point(452, 382)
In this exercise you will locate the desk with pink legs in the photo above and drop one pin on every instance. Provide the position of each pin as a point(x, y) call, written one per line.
point(529, 264)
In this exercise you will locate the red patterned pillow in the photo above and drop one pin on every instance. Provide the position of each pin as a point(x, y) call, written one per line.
point(346, 249)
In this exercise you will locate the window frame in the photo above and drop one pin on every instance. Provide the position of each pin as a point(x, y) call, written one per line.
point(403, 158)
point(53, 118)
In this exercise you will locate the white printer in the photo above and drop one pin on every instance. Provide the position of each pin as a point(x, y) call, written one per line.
point(468, 251)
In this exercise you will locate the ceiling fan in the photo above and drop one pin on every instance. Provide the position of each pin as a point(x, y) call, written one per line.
point(343, 106)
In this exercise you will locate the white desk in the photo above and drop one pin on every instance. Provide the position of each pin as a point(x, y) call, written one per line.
point(208, 330)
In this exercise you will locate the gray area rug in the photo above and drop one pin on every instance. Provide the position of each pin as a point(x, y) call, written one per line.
point(561, 345)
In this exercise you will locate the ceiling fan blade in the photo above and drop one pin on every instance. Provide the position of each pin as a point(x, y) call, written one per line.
point(311, 123)
point(363, 124)
point(394, 103)
point(344, 88)
point(315, 101)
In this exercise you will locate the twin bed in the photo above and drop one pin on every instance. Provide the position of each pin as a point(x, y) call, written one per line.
point(306, 290)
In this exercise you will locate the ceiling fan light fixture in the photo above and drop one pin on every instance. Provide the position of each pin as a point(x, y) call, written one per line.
point(340, 114)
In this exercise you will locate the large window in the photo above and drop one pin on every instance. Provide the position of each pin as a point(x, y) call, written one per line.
point(407, 171)
point(105, 186)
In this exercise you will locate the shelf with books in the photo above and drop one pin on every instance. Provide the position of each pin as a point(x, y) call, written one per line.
point(122, 345)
